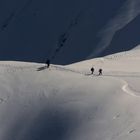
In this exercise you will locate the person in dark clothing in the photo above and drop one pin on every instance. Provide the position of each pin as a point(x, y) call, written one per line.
point(48, 63)
point(100, 71)
point(92, 70)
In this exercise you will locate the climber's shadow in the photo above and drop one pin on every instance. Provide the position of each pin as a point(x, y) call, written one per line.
point(42, 68)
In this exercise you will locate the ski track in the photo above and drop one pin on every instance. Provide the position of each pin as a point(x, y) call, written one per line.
point(126, 88)
point(12, 68)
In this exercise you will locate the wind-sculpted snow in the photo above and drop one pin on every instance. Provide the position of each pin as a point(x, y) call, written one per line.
point(47, 122)
point(128, 90)
point(126, 14)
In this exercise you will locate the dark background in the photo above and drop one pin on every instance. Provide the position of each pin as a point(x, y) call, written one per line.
point(63, 30)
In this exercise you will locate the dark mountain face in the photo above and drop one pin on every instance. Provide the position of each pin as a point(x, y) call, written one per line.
point(126, 38)
point(65, 31)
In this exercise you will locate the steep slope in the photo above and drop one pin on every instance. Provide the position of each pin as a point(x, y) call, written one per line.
point(65, 31)
point(128, 37)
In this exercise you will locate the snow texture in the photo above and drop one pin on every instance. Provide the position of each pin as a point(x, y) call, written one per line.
point(68, 103)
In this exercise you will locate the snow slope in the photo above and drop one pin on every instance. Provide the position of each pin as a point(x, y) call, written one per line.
point(137, 47)
point(67, 103)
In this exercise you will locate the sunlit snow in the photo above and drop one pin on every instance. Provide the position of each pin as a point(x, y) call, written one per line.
point(68, 103)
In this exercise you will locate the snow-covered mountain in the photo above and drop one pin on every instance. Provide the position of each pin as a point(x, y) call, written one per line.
point(66, 30)
point(68, 103)
point(127, 37)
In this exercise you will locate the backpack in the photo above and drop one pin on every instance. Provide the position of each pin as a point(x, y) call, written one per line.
point(92, 69)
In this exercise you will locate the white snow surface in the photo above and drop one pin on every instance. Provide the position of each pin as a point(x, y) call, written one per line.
point(137, 47)
point(68, 103)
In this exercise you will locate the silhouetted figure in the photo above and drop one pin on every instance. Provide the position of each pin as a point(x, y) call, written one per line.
point(48, 63)
point(100, 71)
point(92, 70)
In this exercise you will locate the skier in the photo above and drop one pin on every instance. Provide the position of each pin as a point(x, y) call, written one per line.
point(48, 63)
point(92, 70)
point(100, 71)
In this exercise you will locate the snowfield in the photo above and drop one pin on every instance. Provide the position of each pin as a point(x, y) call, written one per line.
point(67, 103)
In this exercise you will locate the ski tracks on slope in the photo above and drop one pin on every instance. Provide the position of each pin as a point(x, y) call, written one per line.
point(127, 89)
